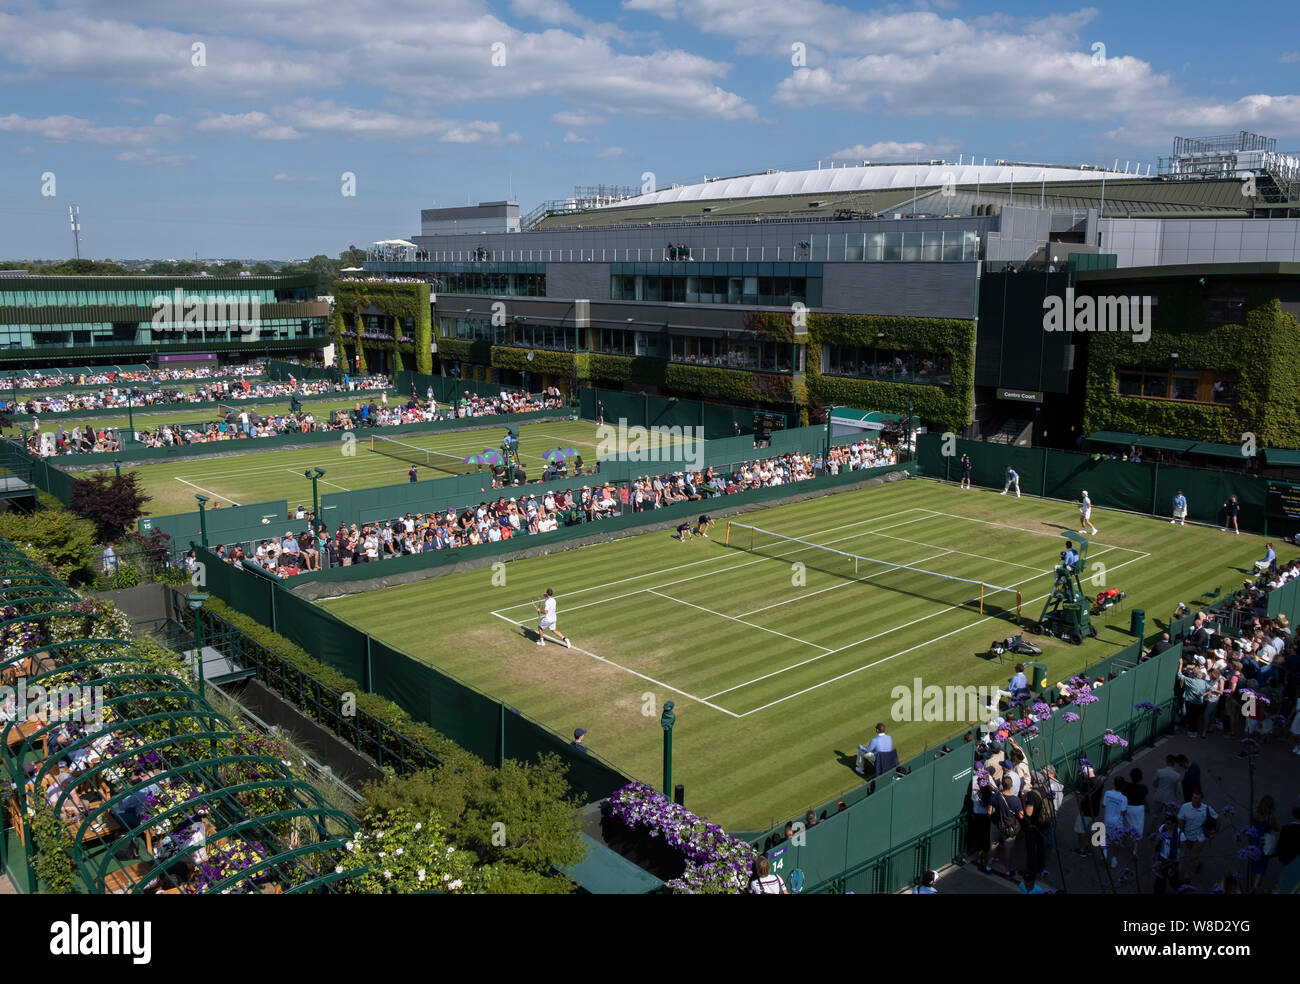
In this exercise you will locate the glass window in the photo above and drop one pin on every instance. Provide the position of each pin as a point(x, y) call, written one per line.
point(1185, 385)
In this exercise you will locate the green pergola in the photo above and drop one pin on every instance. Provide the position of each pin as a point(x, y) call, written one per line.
point(261, 823)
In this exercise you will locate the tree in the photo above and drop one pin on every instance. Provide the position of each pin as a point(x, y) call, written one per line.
point(112, 502)
point(519, 819)
point(352, 257)
point(57, 538)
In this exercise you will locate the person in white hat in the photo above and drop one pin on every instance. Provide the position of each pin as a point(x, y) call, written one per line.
point(1085, 515)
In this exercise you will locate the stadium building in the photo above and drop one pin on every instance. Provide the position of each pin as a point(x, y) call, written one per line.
point(939, 286)
point(53, 321)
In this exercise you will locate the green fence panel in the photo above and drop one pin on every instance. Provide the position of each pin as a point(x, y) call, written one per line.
point(278, 370)
point(527, 741)
point(1144, 487)
point(329, 639)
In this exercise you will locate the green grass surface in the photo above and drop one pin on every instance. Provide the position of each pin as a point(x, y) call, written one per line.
point(253, 476)
point(778, 675)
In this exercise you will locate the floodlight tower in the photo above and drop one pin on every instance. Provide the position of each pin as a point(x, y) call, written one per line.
point(74, 219)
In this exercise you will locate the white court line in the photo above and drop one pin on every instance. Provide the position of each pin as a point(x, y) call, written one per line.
point(321, 480)
point(842, 584)
point(892, 629)
point(986, 522)
point(696, 563)
point(657, 683)
point(733, 618)
point(922, 543)
point(903, 652)
point(209, 491)
point(888, 631)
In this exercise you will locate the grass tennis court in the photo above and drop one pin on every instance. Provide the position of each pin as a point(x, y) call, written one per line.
point(779, 672)
point(252, 476)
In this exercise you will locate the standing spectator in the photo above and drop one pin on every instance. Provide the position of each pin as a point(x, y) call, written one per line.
point(1013, 481)
point(1008, 816)
point(1169, 854)
point(1180, 509)
point(1288, 838)
point(1191, 777)
point(1167, 787)
point(764, 882)
point(1038, 822)
point(1198, 820)
point(1194, 688)
point(1089, 791)
point(1263, 834)
point(1136, 793)
point(1114, 805)
point(1211, 700)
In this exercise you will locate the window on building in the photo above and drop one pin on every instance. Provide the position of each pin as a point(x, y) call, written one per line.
point(1185, 385)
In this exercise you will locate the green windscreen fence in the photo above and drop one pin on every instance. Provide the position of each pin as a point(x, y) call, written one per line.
point(648, 410)
point(1143, 487)
point(474, 720)
point(445, 388)
point(1285, 601)
point(275, 369)
point(884, 841)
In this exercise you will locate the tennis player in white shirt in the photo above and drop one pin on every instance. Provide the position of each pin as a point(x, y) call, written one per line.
point(547, 611)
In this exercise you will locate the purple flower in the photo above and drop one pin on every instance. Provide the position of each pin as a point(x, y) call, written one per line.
point(1070, 717)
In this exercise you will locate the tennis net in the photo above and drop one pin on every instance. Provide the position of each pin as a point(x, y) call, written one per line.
point(439, 460)
point(960, 592)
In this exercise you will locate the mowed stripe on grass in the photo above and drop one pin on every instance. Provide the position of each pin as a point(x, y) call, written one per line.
point(262, 476)
point(802, 710)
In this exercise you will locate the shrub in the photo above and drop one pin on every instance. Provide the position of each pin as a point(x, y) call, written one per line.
point(57, 539)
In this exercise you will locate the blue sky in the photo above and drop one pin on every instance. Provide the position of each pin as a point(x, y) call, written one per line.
point(236, 148)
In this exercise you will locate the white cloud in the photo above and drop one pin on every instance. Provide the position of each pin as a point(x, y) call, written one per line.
point(578, 118)
point(892, 150)
point(572, 137)
point(74, 129)
point(1289, 57)
point(151, 156)
point(610, 153)
point(257, 125)
point(287, 178)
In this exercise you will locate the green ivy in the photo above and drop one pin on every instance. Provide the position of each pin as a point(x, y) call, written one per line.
point(1264, 355)
point(562, 364)
point(53, 864)
point(950, 407)
point(397, 300)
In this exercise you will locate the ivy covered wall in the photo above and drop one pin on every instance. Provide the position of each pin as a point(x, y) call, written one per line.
point(950, 407)
point(1263, 354)
point(396, 300)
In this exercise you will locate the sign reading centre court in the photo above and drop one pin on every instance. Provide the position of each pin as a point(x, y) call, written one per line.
point(1020, 396)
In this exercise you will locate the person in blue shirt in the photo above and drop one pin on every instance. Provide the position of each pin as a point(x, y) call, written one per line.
point(882, 742)
point(965, 472)
point(1269, 561)
point(1013, 481)
point(1071, 558)
point(1019, 682)
point(1180, 510)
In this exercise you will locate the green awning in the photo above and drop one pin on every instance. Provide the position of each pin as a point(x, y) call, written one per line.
point(604, 872)
point(1218, 450)
point(1142, 440)
point(1282, 457)
point(870, 419)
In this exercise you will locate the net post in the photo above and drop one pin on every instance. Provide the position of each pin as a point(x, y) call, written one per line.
point(1018, 602)
point(727, 538)
point(981, 597)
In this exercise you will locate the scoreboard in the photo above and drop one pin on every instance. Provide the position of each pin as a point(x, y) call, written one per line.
point(1283, 501)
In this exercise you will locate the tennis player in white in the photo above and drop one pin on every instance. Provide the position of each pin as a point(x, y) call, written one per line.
point(547, 611)
point(1085, 515)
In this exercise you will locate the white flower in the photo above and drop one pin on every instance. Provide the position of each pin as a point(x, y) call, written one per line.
point(388, 874)
point(419, 827)
point(450, 850)
point(420, 874)
point(383, 854)
point(446, 878)
point(379, 834)
point(456, 884)
point(398, 852)
point(351, 845)
point(338, 870)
